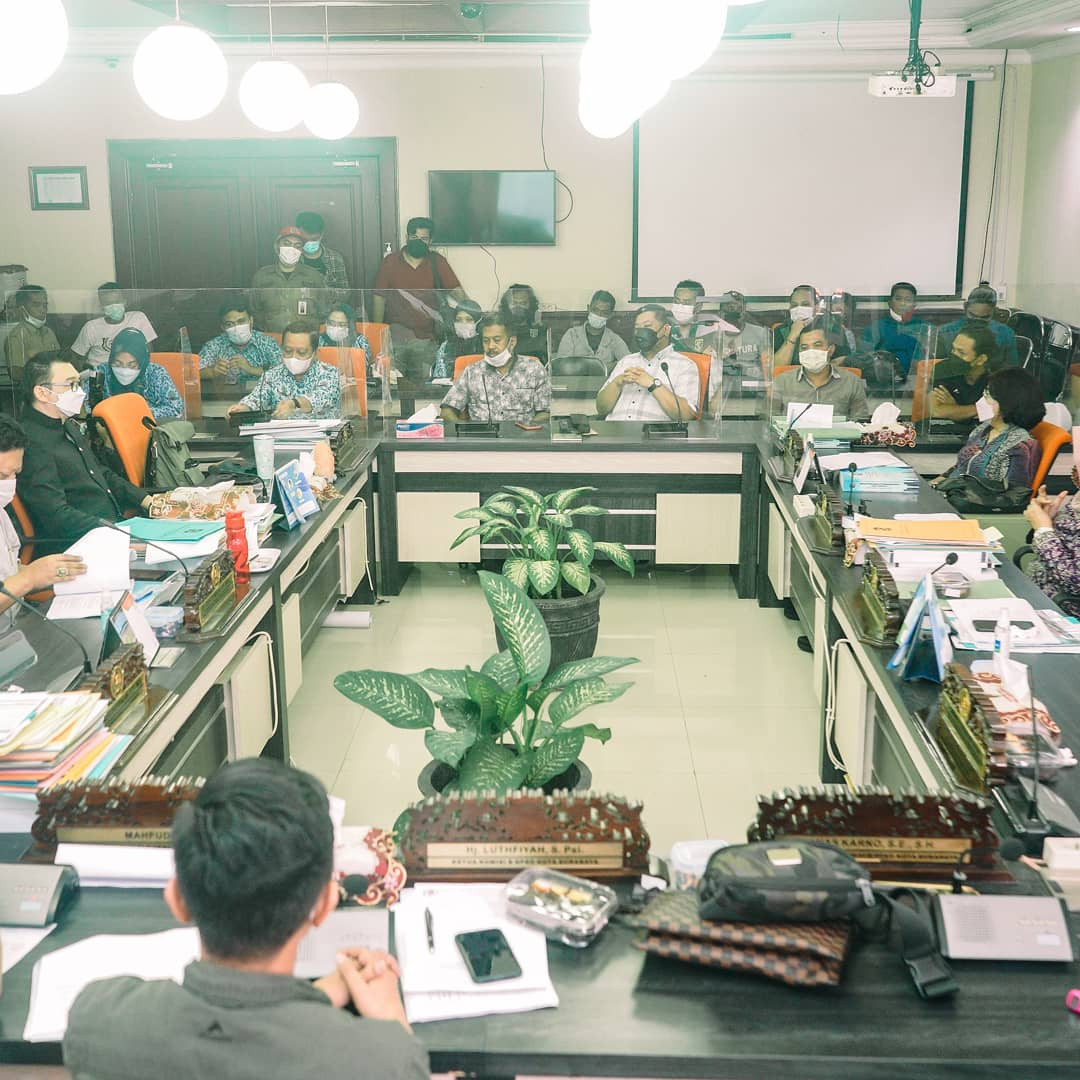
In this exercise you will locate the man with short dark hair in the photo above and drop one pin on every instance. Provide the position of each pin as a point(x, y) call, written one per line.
point(817, 381)
point(30, 335)
point(900, 331)
point(501, 386)
point(960, 380)
point(656, 383)
point(239, 351)
point(254, 864)
point(95, 339)
point(690, 332)
point(802, 308)
point(301, 387)
point(329, 263)
point(287, 290)
point(979, 312)
point(593, 337)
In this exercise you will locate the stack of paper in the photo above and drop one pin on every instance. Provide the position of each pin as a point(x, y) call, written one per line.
point(106, 553)
point(913, 546)
point(875, 473)
point(293, 435)
point(437, 985)
point(1029, 633)
point(171, 540)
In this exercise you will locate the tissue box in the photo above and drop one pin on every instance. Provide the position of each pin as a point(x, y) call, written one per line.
point(419, 429)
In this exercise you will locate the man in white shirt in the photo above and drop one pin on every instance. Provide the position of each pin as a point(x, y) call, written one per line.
point(96, 337)
point(654, 383)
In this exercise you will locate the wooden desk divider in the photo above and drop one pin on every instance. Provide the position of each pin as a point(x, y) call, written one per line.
point(969, 731)
point(877, 602)
point(209, 598)
point(896, 835)
point(484, 836)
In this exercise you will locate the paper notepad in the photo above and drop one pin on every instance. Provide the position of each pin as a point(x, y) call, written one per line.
point(108, 564)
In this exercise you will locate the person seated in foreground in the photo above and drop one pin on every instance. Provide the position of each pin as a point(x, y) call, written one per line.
point(341, 332)
point(254, 856)
point(900, 331)
point(502, 386)
point(817, 380)
point(95, 340)
point(300, 387)
point(979, 312)
point(65, 488)
point(593, 337)
point(1056, 540)
point(656, 383)
point(1001, 450)
point(130, 371)
point(961, 380)
point(40, 574)
point(239, 352)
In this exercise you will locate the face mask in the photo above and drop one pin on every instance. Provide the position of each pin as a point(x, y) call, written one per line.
point(683, 313)
point(814, 360)
point(802, 313)
point(984, 409)
point(736, 318)
point(519, 311)
point(114, 312)
point(35, 322)
point(416, 247)
point(289, 256)
point(297, 365)
point(597, 322)
point(337, 333)
point(979, 320)
point(70, 402)
point(240, 334)
point(7, 491)
point(311, 247)
point(645, 339)
point(465, 330)
point(499, 361)
point(125, 376)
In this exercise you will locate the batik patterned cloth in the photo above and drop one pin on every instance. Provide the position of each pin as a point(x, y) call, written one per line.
point(1056, 568)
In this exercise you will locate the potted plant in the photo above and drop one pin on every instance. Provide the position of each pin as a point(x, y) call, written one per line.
point(551, 558)
point(507, 725)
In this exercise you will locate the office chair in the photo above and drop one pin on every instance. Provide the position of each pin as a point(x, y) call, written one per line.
point(1024, 349)
point(571, 366)
point(1051, 440)
point(123, 417)
point(173, 363)
point(25, 529)
point(704, 365)
point(462, 362)
point(357, 370)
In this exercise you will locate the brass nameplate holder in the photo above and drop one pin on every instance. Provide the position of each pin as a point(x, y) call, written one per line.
point(793, 451)
point(122, 681)
point(828, 522)
point(477, 836)
point(897, 836)
point(969, 732)
point(877, 602)
point(209, 598)
point(111, 811)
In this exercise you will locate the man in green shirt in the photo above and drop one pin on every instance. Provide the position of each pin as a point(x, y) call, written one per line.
point(254, 858)
point(287, 290)
point(30, 335)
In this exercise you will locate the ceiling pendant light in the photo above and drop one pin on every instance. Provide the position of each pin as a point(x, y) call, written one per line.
point(35, 38)
point(332, 110)
point(273, 93)
point(180, 71)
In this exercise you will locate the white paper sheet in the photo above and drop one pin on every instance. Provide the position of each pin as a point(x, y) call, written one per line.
point(171, 551)
point(967, 611)
point(814, 416)
point(117, 866)
point(345, 928)
point(875, 459)
point(18, 941)
point(83, 605)
point(106, 553)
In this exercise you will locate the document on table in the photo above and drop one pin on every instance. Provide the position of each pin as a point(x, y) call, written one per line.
point(83, 605)
point(106, 553)
point(117, 866)
point(172, 550)
point(345, 928)
point(867, 460)
point(437, 985)
point(18, 941)
point(1028, 630)
point(60, 976)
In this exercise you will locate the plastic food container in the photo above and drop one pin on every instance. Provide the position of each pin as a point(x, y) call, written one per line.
point(165, 621)
point(689, 859)
point(569, 909)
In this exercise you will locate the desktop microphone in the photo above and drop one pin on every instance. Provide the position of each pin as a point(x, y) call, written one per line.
point(87, 667)
point(852, 470)
point(678, 408)
point(1010, 850)
point(799, 415)
point(487, 401)
point(950, 560)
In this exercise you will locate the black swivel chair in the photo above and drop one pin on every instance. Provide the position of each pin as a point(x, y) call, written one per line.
point(574, 366)
point(1023, 349)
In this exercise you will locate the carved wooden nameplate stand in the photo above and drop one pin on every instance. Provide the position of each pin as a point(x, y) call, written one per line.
point(483, 836)
point(110, 812)
point(877, 602)
point(209, 598)
point(123, 682)
point(900, 836)
point(344, 446)
point(793, 451)
point(828, 522)
point(969, 732)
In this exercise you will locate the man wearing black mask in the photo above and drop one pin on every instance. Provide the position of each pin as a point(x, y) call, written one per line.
point(654, 383)
point(979, 312)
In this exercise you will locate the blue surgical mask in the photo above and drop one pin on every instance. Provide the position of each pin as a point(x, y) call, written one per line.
point(312, 247)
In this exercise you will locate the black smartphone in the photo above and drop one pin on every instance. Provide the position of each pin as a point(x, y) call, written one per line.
point(487, 955)
point(988, 626)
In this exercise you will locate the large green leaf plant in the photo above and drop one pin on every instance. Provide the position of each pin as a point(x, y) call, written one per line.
point(507, 725)
point(547, 547)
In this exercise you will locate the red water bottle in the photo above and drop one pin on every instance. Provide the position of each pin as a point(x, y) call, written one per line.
point(236, 542)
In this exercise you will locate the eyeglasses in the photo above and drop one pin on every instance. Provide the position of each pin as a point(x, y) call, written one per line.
point(71, 384)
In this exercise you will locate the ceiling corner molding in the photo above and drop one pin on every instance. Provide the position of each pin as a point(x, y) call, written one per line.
point(1017, 19)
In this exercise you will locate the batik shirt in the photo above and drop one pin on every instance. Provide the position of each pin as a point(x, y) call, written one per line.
point(320, 384)
point(1010, 458)
point(262, 351)
point(489, 397)
point(1057, 566)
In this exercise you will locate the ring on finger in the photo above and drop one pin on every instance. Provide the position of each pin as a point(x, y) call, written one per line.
point(61, 571)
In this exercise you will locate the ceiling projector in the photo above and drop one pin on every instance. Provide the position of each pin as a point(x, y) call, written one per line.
point(892, 84)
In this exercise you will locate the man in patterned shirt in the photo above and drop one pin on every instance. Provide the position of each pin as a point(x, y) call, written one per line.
point(502, 386)
point(300, 387)
point(329, 263)
point(239, 352)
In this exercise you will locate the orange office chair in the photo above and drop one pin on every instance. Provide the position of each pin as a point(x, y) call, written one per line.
point(123, 417)
point(1051, 439)
point(173, 363)
point(271, 334)
point(26, 527)
point(374, 332)
point(330, 354)
point(703, 361)
point(462, 362)
point(924, 383)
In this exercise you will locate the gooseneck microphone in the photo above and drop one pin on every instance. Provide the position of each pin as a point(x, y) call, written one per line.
point(799, 415)
point(487, 400)
point(667, 375)
point(852, 470)
point(87, 667)
point(950, 560)
point(106, 524)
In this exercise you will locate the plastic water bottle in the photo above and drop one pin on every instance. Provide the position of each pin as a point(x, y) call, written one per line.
point(1002, 642)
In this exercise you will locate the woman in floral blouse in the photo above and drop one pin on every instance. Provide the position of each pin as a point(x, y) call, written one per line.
point(1056, 521)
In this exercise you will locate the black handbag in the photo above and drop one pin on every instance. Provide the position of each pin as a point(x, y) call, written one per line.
point(974, 495)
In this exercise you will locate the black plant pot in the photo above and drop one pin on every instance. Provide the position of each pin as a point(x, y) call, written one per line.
point(436, 775)
point(573, 624)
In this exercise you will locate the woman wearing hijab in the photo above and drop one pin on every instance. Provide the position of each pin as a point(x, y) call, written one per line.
point(341, 332)
point(130, 371)
point(463, 342)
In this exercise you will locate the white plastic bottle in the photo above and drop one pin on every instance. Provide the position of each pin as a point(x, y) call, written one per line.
point(1002, 642)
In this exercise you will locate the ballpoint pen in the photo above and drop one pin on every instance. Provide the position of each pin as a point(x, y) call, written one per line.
point(429, 925)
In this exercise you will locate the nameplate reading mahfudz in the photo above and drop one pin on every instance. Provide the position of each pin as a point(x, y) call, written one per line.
point(117, 834)
point(603, 855)
point(924, 849)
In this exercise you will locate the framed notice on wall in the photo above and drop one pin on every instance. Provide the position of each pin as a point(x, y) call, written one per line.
point(59, 187)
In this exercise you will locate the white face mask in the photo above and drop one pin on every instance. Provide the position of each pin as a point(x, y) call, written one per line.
point(895, 317)
point(298, 365)
point(465, 329)
point(7, 491)
point(240, 334)
point(125, 376)
point(984, 409)
point(499, 361)
point(289, 256)
point(337, 333)
point(34, 321)
point(70, 402)
point(114, 312)
point(597, 322)
point(801, 313)
point(814, 360)
point(682, 313)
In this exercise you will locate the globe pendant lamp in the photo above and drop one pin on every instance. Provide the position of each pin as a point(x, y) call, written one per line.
point(273, 93)
point(35, 38)
point(332, 110)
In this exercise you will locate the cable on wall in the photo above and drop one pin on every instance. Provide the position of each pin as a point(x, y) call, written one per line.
point(543, 146)
point(495, 270)
point(994, 172)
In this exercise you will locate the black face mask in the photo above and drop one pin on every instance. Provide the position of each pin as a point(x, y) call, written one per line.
point(736, 318)
point(645, 338)
point(983, 320)
point(416, 247)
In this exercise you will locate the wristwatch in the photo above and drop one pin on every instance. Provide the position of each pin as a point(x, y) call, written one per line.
point(656, 384)
point(296, 403)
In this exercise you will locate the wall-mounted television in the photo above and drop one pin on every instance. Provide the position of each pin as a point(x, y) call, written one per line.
point(488, 207)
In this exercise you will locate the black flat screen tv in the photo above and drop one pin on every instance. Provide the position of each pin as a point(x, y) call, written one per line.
point(487, 207)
